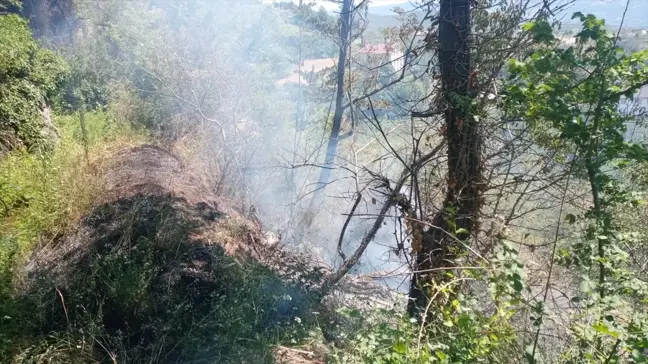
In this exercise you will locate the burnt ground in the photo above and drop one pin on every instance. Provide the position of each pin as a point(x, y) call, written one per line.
point(161, 271)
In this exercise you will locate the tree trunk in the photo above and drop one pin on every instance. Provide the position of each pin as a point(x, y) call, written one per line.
point(440, 245)
point(331, 149)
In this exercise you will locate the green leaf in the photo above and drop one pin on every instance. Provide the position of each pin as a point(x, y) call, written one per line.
point(604, 329)
point(528, 26)
point(441, 355)
point(400, 347)
point(517, 285)
point(601, 328)
point(541, 29)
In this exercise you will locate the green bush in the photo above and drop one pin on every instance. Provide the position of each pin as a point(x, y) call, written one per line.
point(460, 335)
point(30, 78)
point(42, 195)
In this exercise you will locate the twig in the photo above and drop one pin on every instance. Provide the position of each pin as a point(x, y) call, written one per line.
point(6, 208)
point(67, 318)
point(551, 263)
point(613, 351)
point(333, 279)
point(346, 223)
point(423, 271)
point(305, 352)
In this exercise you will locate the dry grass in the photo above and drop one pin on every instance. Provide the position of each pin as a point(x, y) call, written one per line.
point(45, 194)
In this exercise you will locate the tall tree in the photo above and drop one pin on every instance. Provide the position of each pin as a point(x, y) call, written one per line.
point(334, 136)
point(443, 243)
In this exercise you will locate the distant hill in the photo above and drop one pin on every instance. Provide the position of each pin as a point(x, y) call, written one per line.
point(382, 21)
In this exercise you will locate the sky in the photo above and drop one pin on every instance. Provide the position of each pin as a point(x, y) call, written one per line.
point(328, 5)
point(611, 10)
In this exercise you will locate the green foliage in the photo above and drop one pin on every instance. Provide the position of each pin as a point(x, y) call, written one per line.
point(319, 29)
point(459, 328)
point(138, 298)
point(40, 195)
point(461, 335)
point(571, 97)
point(172, 65)
point(30, 78)
point(10, 5)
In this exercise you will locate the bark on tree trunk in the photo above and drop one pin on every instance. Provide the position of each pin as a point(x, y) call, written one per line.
point(439, 246)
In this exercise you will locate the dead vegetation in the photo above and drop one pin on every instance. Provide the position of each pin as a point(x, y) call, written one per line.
point(161, 270)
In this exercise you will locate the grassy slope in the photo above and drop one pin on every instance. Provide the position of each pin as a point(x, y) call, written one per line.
point(147, 291)
point(144, 289)
point(42, 195)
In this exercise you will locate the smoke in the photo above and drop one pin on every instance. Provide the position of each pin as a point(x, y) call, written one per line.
point(205, 74)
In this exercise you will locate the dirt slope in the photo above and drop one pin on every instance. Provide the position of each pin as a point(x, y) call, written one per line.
point(164, 272)
point(150, 170)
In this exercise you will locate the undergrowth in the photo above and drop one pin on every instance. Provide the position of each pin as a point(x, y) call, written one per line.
point(41, 194)
point(143, 290)
point(459, 334)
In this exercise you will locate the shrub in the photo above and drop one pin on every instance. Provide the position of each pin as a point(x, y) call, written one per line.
point(461, 335)
point(30, 78)
point(42, 194)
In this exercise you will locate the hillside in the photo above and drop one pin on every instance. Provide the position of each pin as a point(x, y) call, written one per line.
point(201, 182)
point(155, 268)
point(158, 265)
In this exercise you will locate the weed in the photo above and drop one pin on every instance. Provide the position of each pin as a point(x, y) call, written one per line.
point(150, 292)
point(41, 196)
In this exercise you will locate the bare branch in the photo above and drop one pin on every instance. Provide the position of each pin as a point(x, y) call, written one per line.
point(346, 223)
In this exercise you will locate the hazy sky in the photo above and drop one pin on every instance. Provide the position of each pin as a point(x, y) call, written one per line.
point(328, 5)
point(611, 10)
